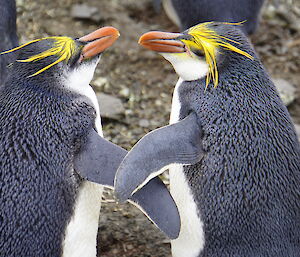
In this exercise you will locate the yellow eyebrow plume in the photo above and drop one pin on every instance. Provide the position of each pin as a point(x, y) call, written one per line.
point(63, 47)
point(209, 41)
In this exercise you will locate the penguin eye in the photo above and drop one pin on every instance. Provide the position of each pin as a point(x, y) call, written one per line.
point(197, 52)
point(76, 60)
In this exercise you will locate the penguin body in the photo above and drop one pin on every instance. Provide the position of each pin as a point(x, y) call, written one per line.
point(251, 212)
point(8, 34)
point(53, 154)
point(241, 198)
point(187, 13)
point(37, 161)
point(54, 198)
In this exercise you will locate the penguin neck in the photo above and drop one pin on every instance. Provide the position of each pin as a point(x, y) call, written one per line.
point(78, 81)
point(191, 69)
point(187, 67)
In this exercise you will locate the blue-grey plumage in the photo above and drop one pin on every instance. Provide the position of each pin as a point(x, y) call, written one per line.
point(242, 199)
point(187, 13)
point(247, 185)
point(8, 34)
point(44, 121)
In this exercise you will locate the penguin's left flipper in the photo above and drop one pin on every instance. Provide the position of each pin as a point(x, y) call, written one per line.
point(179, 143)
point(98, 161)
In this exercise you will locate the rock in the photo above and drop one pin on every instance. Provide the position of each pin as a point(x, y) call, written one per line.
point(129, 247)
point(286, 91)
point(83, 11)
point(20, 3)
point(110, 107)
point(103, 218)
point(144, 123)
point(100, 83)
point(158, 102)
point(125, 92)
point(115, 252)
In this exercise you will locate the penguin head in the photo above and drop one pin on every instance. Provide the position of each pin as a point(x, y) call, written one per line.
point(58, 58)
point(200, 50)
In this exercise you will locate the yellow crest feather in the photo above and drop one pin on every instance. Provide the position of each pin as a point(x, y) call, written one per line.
point(209, 41)
point(63, 47)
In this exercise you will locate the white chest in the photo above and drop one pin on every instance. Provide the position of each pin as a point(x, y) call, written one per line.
point(81, 232)
point(191, 238)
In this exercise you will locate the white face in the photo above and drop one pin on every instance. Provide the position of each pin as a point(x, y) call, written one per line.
point(188, 66)
point(81, 76)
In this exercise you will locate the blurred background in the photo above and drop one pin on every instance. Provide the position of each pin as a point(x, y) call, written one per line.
point(134, 86)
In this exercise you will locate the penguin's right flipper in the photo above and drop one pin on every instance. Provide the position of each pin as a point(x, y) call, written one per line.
point(179, 143)
point(156, 202)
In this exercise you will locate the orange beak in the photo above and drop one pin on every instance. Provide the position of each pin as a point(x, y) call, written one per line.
point(163, 42)
point(98, 41)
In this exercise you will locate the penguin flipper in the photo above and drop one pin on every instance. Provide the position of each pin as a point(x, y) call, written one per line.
point(98, 161)
point(179, 143)
point(156, 202)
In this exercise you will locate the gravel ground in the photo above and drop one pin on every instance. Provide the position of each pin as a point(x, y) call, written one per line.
point(144, 82)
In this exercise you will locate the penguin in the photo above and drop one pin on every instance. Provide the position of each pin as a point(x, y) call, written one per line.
point(8, 34)
point(231, 149)
point(187, 13)
point(54, 160)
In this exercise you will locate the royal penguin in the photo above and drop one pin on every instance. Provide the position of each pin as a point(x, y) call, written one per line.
point(8, 34)
point(187, 13)
point(53, 158)
point(231, 149)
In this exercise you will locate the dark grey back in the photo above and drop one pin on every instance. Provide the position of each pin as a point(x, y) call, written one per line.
point(247, 185)
point(193, 12)
point(8, 35)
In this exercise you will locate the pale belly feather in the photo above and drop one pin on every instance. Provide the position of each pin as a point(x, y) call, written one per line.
point(191, 238)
